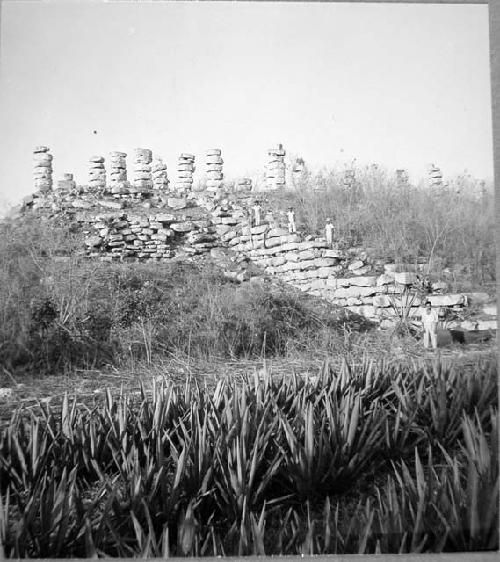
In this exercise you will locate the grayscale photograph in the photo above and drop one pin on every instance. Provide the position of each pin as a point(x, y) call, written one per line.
point(247, 279)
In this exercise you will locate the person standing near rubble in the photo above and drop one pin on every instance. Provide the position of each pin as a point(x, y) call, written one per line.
point(257, 210)
point(329, 232)
point(430, 319)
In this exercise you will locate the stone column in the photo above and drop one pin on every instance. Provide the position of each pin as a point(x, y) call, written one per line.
point(42, 172)
point(143, 182)
point(275, 168)
point(160, 175)
point(435, 176)
point(97, 173)
point(117, 171)
point(214, 173)
point(185, 169)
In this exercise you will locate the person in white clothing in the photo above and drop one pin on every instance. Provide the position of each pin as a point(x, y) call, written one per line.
point(430, 319)
point(291, 220)
point(257, 209)
point(329, 232)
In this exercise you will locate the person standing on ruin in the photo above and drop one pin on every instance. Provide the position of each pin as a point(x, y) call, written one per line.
point(430, 319)
point(257, 210)
point(291, 220)
point(329, 232)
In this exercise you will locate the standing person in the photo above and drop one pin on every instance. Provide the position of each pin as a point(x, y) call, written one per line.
point(430, 320)
point(291, 220)
point(257, 210)
point(329, 232)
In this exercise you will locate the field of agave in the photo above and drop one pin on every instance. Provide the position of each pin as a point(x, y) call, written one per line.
point(368, 458)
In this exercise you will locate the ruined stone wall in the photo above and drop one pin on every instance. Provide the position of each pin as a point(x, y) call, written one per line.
point(147, 222)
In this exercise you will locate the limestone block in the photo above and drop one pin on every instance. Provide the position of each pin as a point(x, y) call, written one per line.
point(291, 239)
point(355, 265)
point(353, 301)
point(93, 241)
point(390, 268)
point(362, 281)
point(165, 218)
point(363, 270)
point(288, 247)
point(325, 262)
point(336, 254)
point(229, 220)
point(346, 292)
point(447, 300)
point(308, 255)
point(186, 226)
point(324, 272)
point(279, 260)
point(385, 279)
point(176, 202)
point(272, 242)
point(277, 232)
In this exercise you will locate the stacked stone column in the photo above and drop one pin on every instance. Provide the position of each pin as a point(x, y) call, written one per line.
point(275, 168)
point(97, 173)
point(214, 173)
point(160, 175)
point(185, 169)
point(117, 171)
point(435, 176)
point(42, 172)
point(143, 182)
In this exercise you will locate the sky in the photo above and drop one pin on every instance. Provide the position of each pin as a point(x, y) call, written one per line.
point(400, 85)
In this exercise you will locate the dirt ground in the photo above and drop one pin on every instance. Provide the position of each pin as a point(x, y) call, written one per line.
point(89, 386)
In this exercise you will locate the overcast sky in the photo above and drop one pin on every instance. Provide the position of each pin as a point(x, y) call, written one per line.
point(398, 85)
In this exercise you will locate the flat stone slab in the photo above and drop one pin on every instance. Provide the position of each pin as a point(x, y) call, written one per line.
point(186, 226)
point(447, 300)
point(176, 202)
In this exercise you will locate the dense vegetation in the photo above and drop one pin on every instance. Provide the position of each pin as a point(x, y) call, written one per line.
point(373, 458)
point(452, 227)
point(74, 313)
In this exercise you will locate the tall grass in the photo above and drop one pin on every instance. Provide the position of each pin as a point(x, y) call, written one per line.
point(451, 228)
point(360, 460)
